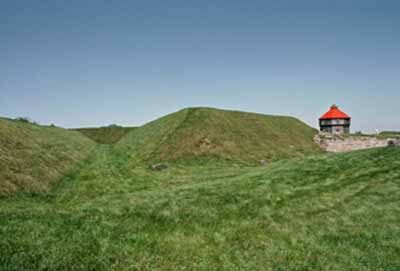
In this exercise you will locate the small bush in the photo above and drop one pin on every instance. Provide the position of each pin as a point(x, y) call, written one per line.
point(113, 126)
point(26, 120)
point(23, 119)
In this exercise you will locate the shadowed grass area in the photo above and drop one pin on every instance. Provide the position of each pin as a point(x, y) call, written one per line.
point(106, 135)
point(325, 212)
point(33, 157)
point(196, 135)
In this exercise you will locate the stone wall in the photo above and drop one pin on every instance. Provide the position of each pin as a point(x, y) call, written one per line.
point(336, 143)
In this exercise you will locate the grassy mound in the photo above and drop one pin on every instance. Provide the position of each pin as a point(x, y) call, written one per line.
point(33, 157)
point(204, 133)
point(106, 135)
point(325, 212)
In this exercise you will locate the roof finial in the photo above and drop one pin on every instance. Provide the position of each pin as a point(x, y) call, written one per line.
point(334, 106)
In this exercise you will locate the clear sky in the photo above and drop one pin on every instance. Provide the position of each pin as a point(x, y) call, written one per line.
point(90, 63)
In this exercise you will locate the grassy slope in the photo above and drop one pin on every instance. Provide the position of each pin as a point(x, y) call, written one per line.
point(389, 134)
point(106, 135)
point(33, 157)
point(204, 133)
point(326, 212)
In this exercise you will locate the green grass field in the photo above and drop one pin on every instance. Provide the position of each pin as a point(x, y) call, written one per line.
point(325, 212)
point(309, 211)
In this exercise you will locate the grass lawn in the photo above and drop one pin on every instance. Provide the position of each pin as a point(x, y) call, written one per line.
point(323, 212)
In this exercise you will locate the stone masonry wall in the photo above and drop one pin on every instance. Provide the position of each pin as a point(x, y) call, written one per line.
point(333, 143)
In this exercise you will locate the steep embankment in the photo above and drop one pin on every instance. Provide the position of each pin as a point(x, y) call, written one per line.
point(33, 157)
point(204, 134)
point(106, 135)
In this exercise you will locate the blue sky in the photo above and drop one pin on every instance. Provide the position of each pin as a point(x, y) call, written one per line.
point(91, 63)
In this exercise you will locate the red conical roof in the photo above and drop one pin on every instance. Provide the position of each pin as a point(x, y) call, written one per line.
point(334, 113)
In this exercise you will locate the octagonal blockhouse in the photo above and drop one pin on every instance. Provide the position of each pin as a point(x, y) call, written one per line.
point(335, 121)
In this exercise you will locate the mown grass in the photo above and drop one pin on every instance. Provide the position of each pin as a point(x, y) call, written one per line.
point(196, 135)
point(323, 212)
point(33, 157)
point(106, 135)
